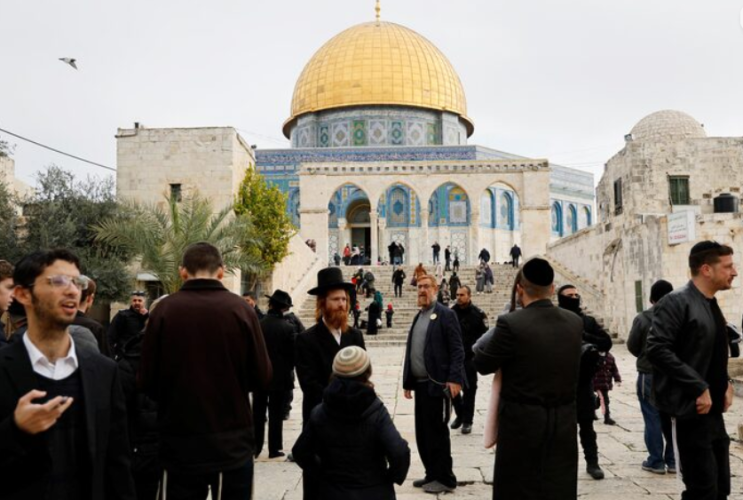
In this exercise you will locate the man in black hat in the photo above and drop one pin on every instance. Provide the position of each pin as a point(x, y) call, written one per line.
point(317, 346)
point(657, 425)
point(537, 348)
point(595, 340)
point(128, 323)
point(279, 336)
point(688, 348)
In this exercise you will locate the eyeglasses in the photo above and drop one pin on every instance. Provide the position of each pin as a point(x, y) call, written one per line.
point(64, 281)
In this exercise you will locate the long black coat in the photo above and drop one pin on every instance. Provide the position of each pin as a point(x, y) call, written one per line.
point(351, 446)
point(538, 351)
point(279, 336)
point(315, 349)
point(25, 461)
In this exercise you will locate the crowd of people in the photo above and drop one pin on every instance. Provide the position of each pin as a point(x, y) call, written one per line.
point(172, 402)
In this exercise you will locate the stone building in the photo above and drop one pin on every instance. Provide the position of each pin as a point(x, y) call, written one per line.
point(655, 200)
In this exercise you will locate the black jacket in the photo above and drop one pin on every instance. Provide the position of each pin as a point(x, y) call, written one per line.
point(595, 339)
point(315, 349)
point(444, 354)
point(680, 346)
point(279, 336)
point(351, 445)
point(126, 324)
point(637, 340)
point(473, 323)
point(454, 285)
point(98, 331)
point(398, 277)
point(25, 460)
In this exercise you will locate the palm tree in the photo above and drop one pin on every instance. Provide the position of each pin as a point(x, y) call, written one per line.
point(159, 236)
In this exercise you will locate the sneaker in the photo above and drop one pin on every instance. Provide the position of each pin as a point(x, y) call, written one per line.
point(435, 487)
point(466, 428)
point(420, 483)
point(609, 421)
point(595, 471)
point(456, 424)
point(671, 469)
point(655, 470)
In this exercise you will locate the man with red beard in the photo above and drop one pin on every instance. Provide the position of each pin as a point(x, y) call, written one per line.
point(316, 347)
point(62, 412)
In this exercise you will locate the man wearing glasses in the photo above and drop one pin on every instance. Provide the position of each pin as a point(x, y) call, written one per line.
point(62, 411)
point(128, 322)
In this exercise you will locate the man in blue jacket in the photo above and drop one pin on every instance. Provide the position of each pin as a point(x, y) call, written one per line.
point(434, 370)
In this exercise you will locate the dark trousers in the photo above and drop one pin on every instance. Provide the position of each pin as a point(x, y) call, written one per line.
point(447, 267)
point(657, 426)
point(146, 483)
point(703, 457)
point(605, 396)
point(398, 290)
point(236, 484)
point(516, 261)
point(432, 435)
point(588, 440)
point(273, 401)
point(435, 257)
point(464, 403)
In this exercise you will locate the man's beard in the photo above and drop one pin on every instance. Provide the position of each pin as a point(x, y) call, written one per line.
point(46, 320)
point(337, 319)
point(424, 301)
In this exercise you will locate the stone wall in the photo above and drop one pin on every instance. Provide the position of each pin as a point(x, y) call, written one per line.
point(297, 273)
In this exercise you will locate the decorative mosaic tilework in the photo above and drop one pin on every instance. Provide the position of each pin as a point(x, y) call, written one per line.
point(377, 132)
point(333, 243)
point(432, 134)
point(397, 133)
point(324, 136)
point(359, 133)
point(341, 136)
point(459, 245)
point(304, 137)
point(415, 134)
point(458, 212)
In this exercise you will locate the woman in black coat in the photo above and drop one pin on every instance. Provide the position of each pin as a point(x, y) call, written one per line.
point(350, 445)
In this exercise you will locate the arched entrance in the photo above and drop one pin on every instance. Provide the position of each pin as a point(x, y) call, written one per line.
point(358, 220)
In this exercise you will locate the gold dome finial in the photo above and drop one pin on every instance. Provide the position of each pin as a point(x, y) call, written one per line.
point(378, 8)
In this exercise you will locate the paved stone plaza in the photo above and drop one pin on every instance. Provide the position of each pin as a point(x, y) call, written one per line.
point(621, 447)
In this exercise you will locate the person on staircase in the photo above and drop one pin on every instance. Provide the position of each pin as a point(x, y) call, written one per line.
point(398, 279)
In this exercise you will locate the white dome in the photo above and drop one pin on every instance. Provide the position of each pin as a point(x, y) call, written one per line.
point(667, 125)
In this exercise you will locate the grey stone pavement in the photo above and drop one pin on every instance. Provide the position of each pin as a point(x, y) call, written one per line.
point(621, 447)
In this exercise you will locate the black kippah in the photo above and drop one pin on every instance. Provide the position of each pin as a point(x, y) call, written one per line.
point(704, 246)
point(539, 272)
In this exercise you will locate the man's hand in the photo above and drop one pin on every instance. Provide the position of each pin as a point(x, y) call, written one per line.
point(728, 397)
point(34, 418)
point(454, 389)
point(704, 403)
point(408, 394)
point(143, 311)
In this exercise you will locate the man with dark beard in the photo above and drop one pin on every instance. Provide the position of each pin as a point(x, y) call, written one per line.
point(128, 322)
point(62, 411)
point(317, 346)
point(595, 340)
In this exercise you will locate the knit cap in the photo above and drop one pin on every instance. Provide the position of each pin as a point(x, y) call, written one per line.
point(351, 362)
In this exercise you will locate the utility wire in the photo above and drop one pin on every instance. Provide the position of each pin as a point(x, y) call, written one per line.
point(56, 150)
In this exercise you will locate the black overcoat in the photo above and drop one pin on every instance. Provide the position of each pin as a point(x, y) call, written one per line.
point(315, 349)
point(25, 461)
point(538, 351)
point(279, 336)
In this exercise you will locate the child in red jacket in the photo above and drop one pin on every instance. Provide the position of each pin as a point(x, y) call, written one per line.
point(389, 312)
point(606, 374)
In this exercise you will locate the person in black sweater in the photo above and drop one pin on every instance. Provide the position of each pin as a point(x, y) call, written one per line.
point(350, 444)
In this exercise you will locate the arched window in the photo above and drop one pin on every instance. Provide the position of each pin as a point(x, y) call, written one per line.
point(572, 219)
point(587, 215)
point(556, 219)
point(486, 209)
point(399, 208)
point(458, 206)
point(506, 212)
point(433, 209)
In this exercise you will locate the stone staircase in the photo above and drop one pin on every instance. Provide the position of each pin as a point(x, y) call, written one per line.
point(406, 308)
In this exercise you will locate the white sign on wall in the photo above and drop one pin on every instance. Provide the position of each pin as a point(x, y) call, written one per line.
point(681, 227)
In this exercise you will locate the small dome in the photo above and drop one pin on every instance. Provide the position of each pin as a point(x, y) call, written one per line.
point(378, 63)
point(667, 125)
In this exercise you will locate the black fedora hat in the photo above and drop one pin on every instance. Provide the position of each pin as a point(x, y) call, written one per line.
point(330, 278)
point(281, 298)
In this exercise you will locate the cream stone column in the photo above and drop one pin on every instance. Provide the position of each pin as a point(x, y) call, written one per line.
point(374, 218)
point(475, 236)
point(384, 238)
point(423, 241)
point(343, 234)
point(535, 213)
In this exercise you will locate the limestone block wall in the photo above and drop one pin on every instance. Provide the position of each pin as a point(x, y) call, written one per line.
point(297, 273)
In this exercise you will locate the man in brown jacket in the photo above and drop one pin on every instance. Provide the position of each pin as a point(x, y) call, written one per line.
point(203, 353)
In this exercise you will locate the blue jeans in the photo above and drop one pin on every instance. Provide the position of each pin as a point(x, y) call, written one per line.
point(655, 430)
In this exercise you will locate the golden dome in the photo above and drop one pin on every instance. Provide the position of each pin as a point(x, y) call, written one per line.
point(378, 63)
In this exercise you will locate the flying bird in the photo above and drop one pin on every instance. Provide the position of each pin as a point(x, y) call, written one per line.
point(69, 61)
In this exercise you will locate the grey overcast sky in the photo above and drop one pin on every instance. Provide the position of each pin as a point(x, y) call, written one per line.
point(562, 80)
